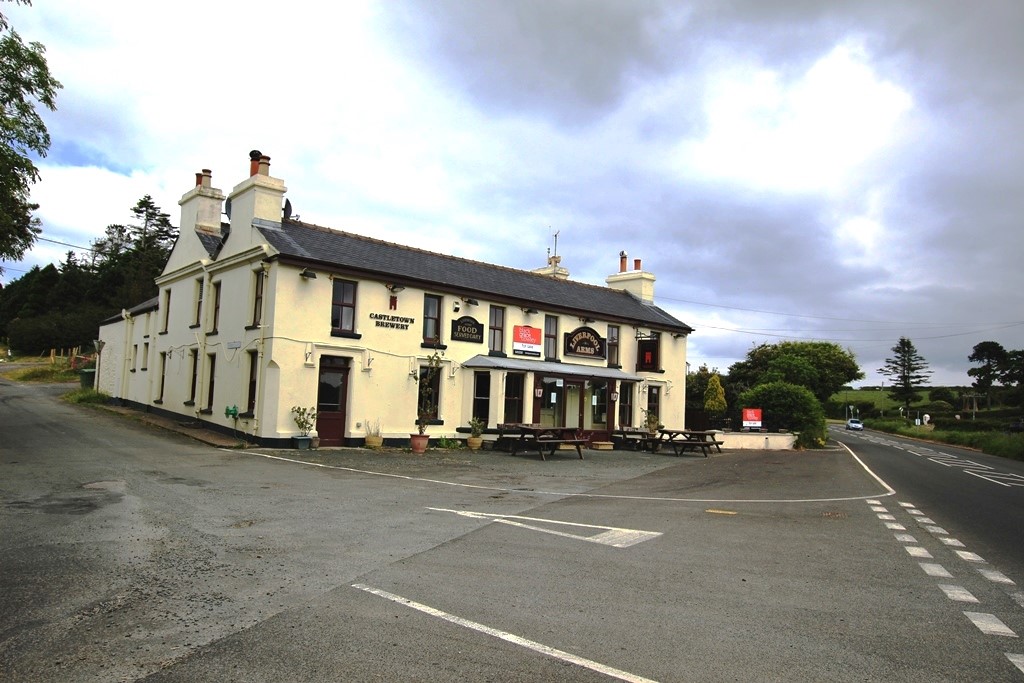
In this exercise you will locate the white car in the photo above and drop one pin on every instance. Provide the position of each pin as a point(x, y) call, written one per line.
point(854, 423)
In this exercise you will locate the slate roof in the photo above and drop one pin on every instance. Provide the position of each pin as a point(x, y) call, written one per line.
point(144, 307)
point(315, 245)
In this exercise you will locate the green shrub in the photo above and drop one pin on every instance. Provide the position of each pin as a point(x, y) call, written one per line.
point(788, 406)
point(952, 424)
point(992, 443)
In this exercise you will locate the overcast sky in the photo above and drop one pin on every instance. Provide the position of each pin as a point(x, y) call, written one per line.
point(849, 171)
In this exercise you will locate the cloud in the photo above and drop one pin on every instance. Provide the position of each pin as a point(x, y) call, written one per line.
point(846, 171)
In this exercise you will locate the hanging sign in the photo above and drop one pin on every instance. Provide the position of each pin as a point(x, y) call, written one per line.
point(527, 341)
point(467, 329)
point(584, 341)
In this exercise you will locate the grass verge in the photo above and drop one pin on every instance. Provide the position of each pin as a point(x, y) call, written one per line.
point(994, 443)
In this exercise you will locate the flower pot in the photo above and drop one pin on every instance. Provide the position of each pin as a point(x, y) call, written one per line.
point(301, 442)
point(474, 442)
point(419, 442)
point(374, 441)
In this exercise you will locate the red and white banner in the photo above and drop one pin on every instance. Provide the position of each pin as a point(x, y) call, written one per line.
point(752, 417)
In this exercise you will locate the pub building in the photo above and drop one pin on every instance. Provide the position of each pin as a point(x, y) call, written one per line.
point(259, 312)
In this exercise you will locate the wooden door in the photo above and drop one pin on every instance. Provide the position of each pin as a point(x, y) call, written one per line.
point(331, 400)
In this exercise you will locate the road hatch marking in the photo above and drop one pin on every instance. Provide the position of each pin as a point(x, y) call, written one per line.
point(611, 536)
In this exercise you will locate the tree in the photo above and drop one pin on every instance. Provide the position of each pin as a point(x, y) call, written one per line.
point(991, 355)
point(822, 367)
point(714, 397)
point(1011, 374)
point(788, 406)
point(908, 370)
point(25, 81)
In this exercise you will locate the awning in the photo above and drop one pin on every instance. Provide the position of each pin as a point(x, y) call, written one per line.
point(548, 368)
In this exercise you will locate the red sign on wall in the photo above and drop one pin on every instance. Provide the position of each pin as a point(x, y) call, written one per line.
point(527, 341)
point(752, 417)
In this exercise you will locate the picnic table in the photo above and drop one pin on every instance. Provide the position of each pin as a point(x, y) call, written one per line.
point(519, 436)
point(638, 439)
point(683, 440)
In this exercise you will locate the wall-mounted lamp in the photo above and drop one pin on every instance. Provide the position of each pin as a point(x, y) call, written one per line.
point(677, 335)
point(393, 288)
point(530, 311)
point(584, 319)
point(308, 274)
point(470, 302)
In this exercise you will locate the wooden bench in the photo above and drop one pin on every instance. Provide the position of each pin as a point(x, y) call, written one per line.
point(549, 445)
point(703, 446)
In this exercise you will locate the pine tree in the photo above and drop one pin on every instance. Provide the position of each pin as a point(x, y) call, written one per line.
point(908, 370)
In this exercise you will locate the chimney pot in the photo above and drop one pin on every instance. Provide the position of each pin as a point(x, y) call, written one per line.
point(199, 179)
point(622, 261)
point(264, 165)
point(254, 161)
point(636, 264)
point(207, 174)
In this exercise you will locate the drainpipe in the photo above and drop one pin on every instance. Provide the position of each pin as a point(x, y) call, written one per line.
point(260, 356)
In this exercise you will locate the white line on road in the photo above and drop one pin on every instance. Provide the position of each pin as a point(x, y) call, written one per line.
point(951, 541)
point(996, 577)
point(990, 625)
point(958, 593)
point(613, 536)
point(1018, 660)
point(933, 569)
point(918, 551)
point(883, 515)
point(895, 526)
point(905, 538)
point(937, 530)
point(507, 637)
point(970, 557)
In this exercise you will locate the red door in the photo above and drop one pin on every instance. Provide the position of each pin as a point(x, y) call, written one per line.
point(332, 392)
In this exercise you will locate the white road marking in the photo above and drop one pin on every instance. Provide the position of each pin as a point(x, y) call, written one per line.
point(572, 494)
point(879, 508)
point(999, 478)
point(951, 541)
point(872, 501)
point(916, 513)
point(1018, 660)
point(970, 557)
point(895, 527)
point(924, 520)
point(932, 569)
point(883, 515)
point(908, 505)
point(1018, 597)
point(905, 538)
point(958, 593)
point(996, 577)
point(507, 637)
point(615, 537)
point(989, 624)
point(937, 530)
point(918, 551)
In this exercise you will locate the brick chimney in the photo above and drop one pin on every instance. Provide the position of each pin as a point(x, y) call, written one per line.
point(201, 206)
point(637, 282)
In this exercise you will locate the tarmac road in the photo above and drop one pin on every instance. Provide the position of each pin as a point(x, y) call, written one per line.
point(130, 553)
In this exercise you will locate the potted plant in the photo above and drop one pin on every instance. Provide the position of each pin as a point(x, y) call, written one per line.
point(476, 428)
point(373, 436)
point(426, 407)
point(305, 420)
point(651, 422)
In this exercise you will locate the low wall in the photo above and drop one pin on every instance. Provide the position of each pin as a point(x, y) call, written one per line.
point(768, 441)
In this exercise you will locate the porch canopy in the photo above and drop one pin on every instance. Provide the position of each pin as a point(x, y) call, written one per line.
point(547, 368)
